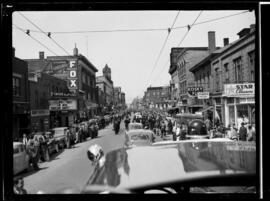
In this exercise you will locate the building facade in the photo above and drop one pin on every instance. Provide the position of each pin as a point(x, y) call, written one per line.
point(157, 97)
point(78, 73)
point(21, 97)
point(46, 91)
point(105, 84)
point(231, 84)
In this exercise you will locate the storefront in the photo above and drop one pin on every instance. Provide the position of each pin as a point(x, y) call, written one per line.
point(63, 112)
point(239, 102)
point(40, 120)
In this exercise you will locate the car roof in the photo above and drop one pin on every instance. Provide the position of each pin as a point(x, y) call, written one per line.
point(182, 161)
point(17, 143)
point(59, 128)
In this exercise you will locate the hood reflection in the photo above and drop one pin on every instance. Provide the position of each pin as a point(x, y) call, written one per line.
point(220, 156)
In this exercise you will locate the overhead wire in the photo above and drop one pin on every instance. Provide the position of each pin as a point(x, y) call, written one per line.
point(189, 28)
point(163, 46)
point(47, 34)
point(137, 30)
point(28, 33)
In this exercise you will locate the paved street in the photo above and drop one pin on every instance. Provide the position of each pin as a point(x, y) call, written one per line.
point(71, 167)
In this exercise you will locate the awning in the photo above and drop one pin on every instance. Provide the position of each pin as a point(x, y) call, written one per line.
point(205, 109)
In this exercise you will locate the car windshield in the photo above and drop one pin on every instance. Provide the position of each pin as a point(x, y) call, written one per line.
point(131, 98)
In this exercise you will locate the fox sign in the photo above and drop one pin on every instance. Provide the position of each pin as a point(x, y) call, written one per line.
point(72, 75)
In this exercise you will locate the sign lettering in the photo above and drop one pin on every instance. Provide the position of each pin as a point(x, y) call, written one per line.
point(239, 90)
point(73, 83)
point(72, 73)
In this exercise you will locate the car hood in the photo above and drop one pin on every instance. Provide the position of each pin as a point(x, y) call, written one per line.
point(126, 168)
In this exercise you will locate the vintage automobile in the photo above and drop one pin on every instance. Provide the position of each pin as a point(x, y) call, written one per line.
point(186, 167)
point(60, 135)
point(197, 129)
point(139, 137)
point(20, 158)
point(133, 126)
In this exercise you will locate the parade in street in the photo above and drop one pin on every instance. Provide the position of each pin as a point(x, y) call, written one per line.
point(97, 117)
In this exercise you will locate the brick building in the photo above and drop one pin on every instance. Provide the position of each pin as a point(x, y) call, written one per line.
point(105, 84)
point(21, 104)
point(79, 74)
point(157, 97)
point(232, 75)
point(45, 88)
point(182, 59)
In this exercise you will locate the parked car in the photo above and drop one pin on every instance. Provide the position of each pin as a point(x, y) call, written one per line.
point(187, 168)
point(60, 135)
point(139, 137)
point(20, 158)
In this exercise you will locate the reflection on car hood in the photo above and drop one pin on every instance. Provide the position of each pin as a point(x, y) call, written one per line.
point(125, 168)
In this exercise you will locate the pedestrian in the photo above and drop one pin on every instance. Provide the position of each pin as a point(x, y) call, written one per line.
point(170, 126)
point(18, 187)
point(25, 140)
point(208, 124)
point(68, 138)
point(127, 121)
point(32, 151)
point(251, 134)
point(243, 132)
point(163, 129)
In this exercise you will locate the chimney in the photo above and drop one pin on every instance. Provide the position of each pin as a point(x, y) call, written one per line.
point(211, 41)
point(41, 55)
point(226, 41)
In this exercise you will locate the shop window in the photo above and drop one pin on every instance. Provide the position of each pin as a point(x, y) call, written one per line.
point(231, 115)
point(16, 86)
point(230, 100)
point(242, 110)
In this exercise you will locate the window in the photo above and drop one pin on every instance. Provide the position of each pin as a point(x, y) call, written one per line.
point(217, 79)
point(83, 77)
point(16, 86)
point(226, 72)
point(36, 99)
point(208, 77)
point(238, 69)
point(251, 56)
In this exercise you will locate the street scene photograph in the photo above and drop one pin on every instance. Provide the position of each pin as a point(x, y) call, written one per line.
point(139, 101)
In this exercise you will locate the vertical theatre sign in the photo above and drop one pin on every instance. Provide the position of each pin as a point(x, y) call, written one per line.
point(72, 76)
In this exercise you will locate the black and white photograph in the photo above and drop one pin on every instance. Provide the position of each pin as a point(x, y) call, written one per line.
point(135, 101)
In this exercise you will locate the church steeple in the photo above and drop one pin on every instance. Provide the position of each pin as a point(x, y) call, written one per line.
point(75, 51)
point(107, 71)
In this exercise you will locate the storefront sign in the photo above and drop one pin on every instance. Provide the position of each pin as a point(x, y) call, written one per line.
point(36, 113)
point(203, 95)
point(59, 105)
point(239, 90)
point(193, 91)
point(60, 94)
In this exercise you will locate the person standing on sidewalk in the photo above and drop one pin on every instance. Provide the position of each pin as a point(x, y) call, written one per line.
point(242, 132)
point(19, 186)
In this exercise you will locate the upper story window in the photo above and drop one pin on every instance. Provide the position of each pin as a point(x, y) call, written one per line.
point(237, 63)
point(226, 73)
point(83, 77)
point(251, 56)
point(217, 79)
point(16, 86)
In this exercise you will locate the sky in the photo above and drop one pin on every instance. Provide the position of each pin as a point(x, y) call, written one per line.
point(133, 56)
